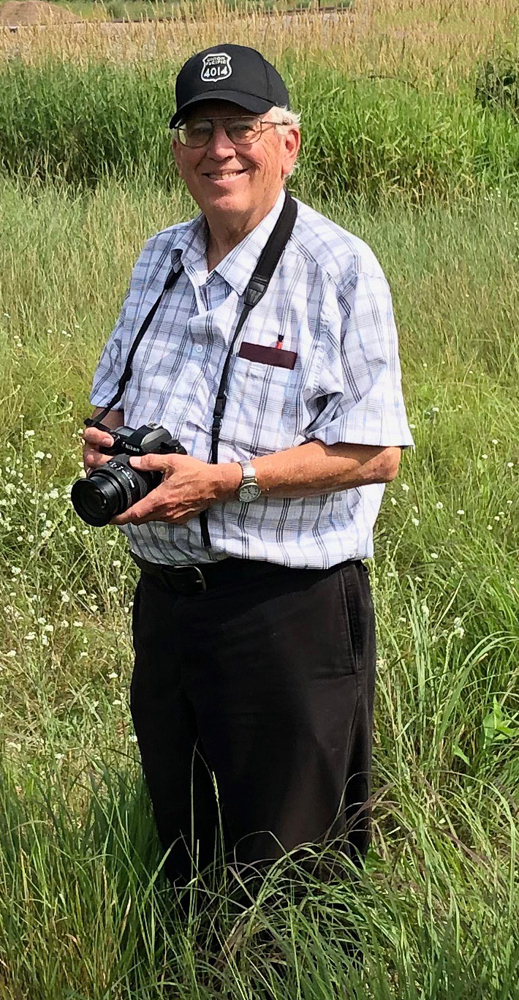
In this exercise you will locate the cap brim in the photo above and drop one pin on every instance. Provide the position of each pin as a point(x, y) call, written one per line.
point(256, 104)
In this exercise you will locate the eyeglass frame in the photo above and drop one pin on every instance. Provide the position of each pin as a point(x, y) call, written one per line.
point(262, 122)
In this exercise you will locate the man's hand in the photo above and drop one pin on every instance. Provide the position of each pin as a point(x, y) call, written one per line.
point(189, 486)
point(95, 439)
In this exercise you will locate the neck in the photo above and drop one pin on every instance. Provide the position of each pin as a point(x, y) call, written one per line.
point(224, 232)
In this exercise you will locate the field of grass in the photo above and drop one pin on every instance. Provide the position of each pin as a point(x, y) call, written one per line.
point(151, 10)
point(85, 123)
point(433, 44)
point(429, 179)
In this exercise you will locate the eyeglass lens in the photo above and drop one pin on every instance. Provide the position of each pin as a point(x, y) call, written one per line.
point(240, 131)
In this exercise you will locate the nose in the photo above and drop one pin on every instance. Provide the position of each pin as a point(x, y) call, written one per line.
point(220, 147)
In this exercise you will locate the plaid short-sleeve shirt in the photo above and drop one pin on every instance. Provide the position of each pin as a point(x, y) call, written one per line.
point(330, 301)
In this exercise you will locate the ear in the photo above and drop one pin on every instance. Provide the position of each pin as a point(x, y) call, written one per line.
point(291, 139)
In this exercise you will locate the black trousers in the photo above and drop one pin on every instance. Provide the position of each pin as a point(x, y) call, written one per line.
point(267, 685)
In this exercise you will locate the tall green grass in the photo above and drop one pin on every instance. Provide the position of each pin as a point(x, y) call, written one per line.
point(84, 911)
point(370, 138)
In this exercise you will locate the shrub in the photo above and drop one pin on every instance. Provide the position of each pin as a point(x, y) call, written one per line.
point(497, 84)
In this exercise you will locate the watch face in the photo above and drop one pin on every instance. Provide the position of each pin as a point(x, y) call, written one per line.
point(248, 492)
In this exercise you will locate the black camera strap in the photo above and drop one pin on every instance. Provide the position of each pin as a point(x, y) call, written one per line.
point(254, 292)
point(171, 279)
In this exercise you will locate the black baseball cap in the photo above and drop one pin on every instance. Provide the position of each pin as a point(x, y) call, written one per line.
point(229, 73)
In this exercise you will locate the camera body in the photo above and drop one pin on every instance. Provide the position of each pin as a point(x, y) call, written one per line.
point(150, 439)
point(115, 486)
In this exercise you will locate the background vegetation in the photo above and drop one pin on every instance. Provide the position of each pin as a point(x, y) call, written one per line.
point(85, 123)
point(428, 176)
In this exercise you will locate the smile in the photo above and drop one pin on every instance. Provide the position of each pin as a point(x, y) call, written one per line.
point(228, 175)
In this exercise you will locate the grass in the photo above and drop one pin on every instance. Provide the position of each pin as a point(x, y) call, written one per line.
point(151, 10)
point(408, 160)
point(434, 45)
point(84, 912)
point(82, 124)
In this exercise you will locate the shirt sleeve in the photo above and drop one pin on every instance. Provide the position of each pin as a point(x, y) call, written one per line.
point(360, 379)
point(109, 369)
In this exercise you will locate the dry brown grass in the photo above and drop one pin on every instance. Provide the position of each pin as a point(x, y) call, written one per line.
point(15, 12)
point(429, 42)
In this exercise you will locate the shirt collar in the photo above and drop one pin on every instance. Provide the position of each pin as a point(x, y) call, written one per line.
point(190, 244)
point(238, 266)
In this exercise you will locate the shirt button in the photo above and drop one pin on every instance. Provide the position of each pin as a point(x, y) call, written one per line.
point(198, 348)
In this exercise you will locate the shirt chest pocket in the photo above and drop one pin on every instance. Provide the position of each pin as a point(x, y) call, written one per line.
point(260, 415)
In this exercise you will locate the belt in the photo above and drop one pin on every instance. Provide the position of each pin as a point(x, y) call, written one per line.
point(191, 580)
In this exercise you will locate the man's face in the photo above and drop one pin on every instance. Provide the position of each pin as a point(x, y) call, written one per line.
point(236, 180)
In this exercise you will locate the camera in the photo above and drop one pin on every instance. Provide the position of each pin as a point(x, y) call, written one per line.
point(111, 489)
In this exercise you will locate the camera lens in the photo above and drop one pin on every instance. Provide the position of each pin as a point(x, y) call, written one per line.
point(110, 490)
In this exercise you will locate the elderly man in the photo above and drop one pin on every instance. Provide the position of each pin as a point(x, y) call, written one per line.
point(267, 346)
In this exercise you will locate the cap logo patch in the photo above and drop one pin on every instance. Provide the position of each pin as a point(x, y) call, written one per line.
point(216, 66)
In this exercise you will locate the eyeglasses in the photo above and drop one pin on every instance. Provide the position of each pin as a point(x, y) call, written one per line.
point(240, 131)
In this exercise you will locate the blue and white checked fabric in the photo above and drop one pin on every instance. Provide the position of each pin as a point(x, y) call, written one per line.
point(330, 300)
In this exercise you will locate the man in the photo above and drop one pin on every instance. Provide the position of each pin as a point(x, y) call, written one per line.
point(253, 621)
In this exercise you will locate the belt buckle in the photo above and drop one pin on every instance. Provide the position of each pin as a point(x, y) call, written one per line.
point(199, 578)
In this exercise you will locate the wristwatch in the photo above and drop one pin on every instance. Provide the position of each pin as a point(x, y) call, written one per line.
point(248, 489)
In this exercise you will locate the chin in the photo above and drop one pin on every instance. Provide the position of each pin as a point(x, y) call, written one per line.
point(235, 196)
point(228, 201)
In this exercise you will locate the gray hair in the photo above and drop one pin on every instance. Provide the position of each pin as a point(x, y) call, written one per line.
point(282, 116)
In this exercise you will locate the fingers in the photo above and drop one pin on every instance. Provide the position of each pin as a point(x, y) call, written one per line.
point(140, 513)
point(159, 505)
point(93, 436)
point(153, 507)
point(95, 439)
point(93, 459)
point(153, 463)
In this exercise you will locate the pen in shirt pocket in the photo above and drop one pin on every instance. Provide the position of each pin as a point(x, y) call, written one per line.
point(279, 342)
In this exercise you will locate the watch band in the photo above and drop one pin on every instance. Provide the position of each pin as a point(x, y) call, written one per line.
point(247, 469)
